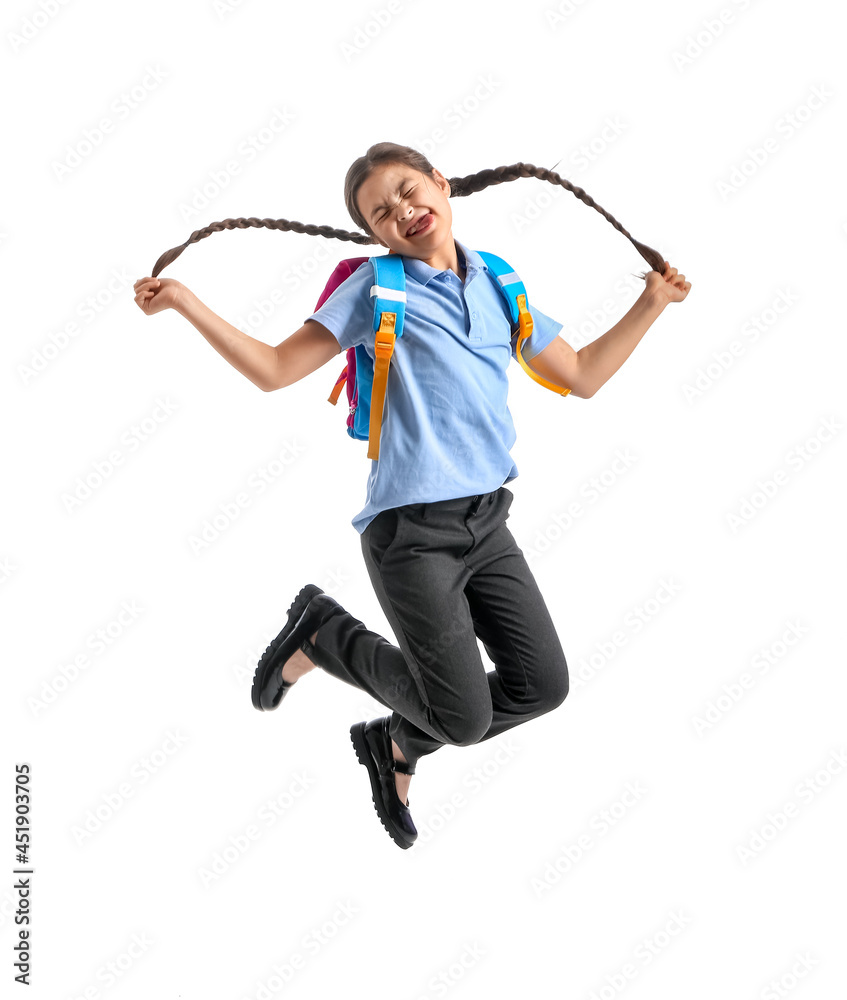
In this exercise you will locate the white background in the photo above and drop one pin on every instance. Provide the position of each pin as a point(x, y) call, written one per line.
point(716, 138)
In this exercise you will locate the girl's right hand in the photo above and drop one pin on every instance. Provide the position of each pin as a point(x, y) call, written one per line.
point(155, 294)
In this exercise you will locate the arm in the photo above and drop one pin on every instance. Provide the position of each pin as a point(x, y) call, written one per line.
point(586, 370)
point(267, 367)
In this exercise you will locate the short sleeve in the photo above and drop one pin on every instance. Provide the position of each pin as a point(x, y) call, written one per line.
point(544, 332)
point(348, 313)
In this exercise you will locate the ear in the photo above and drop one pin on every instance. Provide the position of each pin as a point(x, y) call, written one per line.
point(441, 181)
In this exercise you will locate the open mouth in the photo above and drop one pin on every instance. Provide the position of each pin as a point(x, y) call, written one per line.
point(421, 226)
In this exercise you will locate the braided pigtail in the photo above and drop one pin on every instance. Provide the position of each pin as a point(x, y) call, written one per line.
point(462, 186)
point(169, 256)
point(390, 152)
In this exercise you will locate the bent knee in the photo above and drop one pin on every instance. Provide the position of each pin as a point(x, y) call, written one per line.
point(467, 731)
point(556, 690)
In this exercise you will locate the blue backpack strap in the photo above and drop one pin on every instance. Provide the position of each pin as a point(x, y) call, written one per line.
point(389, 294)
point(508, 281)
point(389, 290)
point(512, 287)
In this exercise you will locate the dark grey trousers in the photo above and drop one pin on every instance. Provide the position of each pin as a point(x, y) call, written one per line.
point(446, 573)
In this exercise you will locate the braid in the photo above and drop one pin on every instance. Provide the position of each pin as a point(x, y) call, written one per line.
point(462, 186)
point(169, 256)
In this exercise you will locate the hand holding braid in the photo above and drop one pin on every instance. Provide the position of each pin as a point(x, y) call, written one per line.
point(460, 187)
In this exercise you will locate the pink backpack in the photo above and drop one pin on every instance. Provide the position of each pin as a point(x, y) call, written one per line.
point(342, 272)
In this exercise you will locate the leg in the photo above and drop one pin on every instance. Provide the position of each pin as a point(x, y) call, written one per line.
point(434, 680)
point(514, 624)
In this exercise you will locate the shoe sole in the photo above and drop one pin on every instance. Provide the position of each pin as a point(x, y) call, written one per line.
point(298, 606)
point(357, 738)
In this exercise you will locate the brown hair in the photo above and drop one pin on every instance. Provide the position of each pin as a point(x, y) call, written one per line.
point(389, 152)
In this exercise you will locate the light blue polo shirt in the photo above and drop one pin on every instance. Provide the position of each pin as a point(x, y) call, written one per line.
point(446, 426)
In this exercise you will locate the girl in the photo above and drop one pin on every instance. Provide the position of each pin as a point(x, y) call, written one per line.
point(444, 565)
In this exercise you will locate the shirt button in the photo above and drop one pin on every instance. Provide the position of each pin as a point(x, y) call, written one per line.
point(473, 315)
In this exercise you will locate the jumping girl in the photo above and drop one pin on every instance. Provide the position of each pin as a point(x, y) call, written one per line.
point(444, 565)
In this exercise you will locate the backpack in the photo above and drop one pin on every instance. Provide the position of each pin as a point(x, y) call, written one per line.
point(365, 379)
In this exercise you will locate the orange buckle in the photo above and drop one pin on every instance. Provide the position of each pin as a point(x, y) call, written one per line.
point(385, 336)
point(525, 318)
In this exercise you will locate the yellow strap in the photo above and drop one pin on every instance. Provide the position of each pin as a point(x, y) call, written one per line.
point(383, 349)
point(524, 332)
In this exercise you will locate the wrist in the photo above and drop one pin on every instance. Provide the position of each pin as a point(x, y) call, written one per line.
point(185, 302)
point(653, 301)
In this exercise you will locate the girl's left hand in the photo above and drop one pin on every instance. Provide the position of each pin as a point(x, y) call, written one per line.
point(670, 286)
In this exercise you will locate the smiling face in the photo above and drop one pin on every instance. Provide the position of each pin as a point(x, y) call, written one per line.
point(394, 197)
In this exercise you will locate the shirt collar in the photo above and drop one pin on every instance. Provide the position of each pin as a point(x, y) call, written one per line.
point(423, 273)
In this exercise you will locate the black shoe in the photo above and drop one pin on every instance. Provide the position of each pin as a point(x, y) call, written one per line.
point(310, 608)
point(372, 743)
